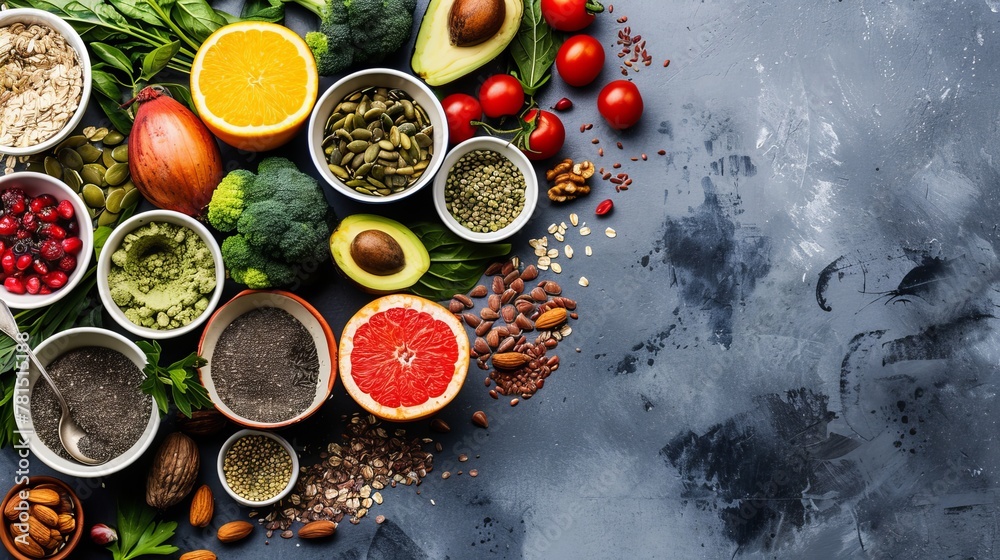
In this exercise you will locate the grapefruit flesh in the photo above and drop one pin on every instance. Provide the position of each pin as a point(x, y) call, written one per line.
point(403, 357)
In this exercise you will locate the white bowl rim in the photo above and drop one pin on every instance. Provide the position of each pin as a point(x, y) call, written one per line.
point(75, 41)
point(81, 470)
point(509, 151)
point(104, 266)
point(319, 161)
point(86, 235)
point(284, 443)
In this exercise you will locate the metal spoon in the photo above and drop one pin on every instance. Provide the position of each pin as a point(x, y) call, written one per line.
point(69, 432)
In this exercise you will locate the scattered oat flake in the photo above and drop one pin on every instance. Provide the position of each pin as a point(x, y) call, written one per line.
point(610, 232)
point(553, 253)
point(542, 267)
point(584, 282)
point(544, 261)
point(553, 228)
point(585, 230)
point(588, 251)
point(568, 250)
point(559, 237)
point(574, 219)
point(557, 268)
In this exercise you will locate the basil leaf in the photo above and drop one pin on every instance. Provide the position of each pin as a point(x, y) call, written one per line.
point(113, 56)
point(157, 60)
point(106, 85)
point(534, 48)
point(197, 18)
point(139, 10)
point(264, 10)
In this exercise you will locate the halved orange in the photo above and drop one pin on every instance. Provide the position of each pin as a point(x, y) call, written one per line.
point(403, 357)
point(254, 84)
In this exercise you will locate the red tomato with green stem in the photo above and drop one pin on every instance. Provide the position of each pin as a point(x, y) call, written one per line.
point(461, 109)
point(570, 15)
point(543, 135)
point(501, 95)
point(620, 104)
point(580, 60)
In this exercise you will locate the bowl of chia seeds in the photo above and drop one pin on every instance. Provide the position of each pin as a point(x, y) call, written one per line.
point(99, 372)
point(160, 274)
point(487, 190)
point(256, 468)
point(272, 359)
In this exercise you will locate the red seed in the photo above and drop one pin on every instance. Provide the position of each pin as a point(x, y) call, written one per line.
point(666, 63)
point(600, 152)
point(662, 152)
point(604, 207)
point(634, 159)
point(620, 146)
point(611, 8)
point(564, 104)
point(617, 166)
point(644, 157)
point(594, 141)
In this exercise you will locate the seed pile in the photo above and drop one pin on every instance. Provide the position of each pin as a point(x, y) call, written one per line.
point(484, 191)
point(257, 468)
point(348, 479)
point(265, 366)
point(378, 141)
point(41, 82)
point(511, 310)
point(101, 387)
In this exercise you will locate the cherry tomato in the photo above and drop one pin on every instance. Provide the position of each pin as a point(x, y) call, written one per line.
point(570, 15)
point(547, 137)
point(460, 108)
point(580, 60)
point(620, 104)
point(501, 95)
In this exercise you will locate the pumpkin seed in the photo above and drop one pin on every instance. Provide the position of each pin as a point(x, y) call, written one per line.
point(120, 153)
point(93, 173)
point(72, 142)
point(344, 135)
point(68, 157)
point(53, 167)
point(334, 156)
point(361, 134)
point(107, 218)
point(114, 200)
point(404, 141)
point(357, 146)
point(117, 174)
point(376, 183)
point(128, 185)
point(339, 171)
point(35, 166)
point(371, 153)
point(93, 196)
point(422, 140)
point(363, 190)
point(131, 197)
point(89, 153)
point(106, 158)
point(363, 169)
point(113, 138)
point(72, 179)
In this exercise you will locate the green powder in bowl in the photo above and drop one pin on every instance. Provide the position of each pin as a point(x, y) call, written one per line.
point(162, 276)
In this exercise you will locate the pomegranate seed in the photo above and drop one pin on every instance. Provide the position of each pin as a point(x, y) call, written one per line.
point(72, 245)
point(33, 284)
point(29, 221)
point(7, 261)
point(13, 285)
point(66, 210)
point(42, 201)
point(51, 250)
point(55, 279)
point(45, 290)
point(8, 225)
point(604, 207)
point(40, 266)
point(48, 214)
point(564, 104)
point(52, 231)
point(23, 234)
point(24, 262)
point(67, 263)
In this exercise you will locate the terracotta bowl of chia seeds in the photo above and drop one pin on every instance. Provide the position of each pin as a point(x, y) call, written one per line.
point(99, 373)
point(272, 359)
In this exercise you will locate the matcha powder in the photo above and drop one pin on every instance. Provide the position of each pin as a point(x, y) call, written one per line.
point(162, 276)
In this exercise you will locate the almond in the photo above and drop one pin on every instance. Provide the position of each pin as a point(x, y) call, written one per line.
point(479, 418)
point(199, 555)
point(39, 532)
point(28, 547)
point(234, 531)
point(551, 318)
point(44, 496)
point(317, 529)
point(45, 514)
point(67, 524)
point(202, 507)
point(510, 360)
point(9, 510)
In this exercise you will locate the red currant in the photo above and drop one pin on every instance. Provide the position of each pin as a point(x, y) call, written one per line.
point(45, 290)
point(33, 284)
point(24, 262)
point(13, 285)
point(52, 231)
point(40, 266)
point(67, 263)
point(55, 279)
point(66, 210)
point(51, 250)
point(41, 201)
point(8, 225)
point(72, 245)
point(7, 261)
point(29, 221)
point(48, 214)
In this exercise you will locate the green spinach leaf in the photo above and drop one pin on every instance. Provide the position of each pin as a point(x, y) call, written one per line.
point(197, 18)
point(157, 60)
point(456, 264)
point(113, 56)
point(534, 48)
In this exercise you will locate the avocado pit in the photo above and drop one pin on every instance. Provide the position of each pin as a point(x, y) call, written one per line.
point(377, 252)
point(472, 22)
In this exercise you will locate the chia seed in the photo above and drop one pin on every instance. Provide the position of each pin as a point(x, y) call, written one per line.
point(265, 366)
point(102, 388)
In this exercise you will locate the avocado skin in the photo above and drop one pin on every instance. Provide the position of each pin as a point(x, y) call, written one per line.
point(439, 62)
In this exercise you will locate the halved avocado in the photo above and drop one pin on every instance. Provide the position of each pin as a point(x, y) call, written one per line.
point(438, 61)
point(380, 255)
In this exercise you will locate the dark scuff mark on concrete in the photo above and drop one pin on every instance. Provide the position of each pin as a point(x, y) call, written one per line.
point(937, 342)
point(392, 543)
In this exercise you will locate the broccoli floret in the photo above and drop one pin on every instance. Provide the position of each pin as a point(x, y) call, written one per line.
point(357, 31)
point(228, 200)
point(282, 228)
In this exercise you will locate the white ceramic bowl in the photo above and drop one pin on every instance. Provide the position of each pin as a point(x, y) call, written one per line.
point(284, 443)
point(248, 300)
point(35, 184)
point(115, 240)
point(378, 77)
point(48, 351)
point(505, 149)
point(32, 16)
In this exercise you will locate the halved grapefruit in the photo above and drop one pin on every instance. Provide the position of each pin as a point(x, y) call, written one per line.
point(403, 357)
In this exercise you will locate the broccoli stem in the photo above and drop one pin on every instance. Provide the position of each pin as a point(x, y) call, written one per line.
point(317, 7)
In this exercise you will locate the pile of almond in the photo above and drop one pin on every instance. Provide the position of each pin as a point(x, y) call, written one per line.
point(41, 519)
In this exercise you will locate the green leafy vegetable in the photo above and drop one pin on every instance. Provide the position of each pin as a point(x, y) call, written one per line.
point(181, 377)
point(139, 534)
point(456, 264)
point(534, 48)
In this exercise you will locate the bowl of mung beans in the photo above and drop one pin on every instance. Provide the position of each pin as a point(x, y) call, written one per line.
point(378, 135)
point(486, 190)
point(257, 468)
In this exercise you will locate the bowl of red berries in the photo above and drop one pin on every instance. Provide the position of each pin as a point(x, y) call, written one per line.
point(46, 239)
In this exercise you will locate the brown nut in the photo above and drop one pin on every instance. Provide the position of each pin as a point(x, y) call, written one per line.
point(67, 523)
point(28, 547)
point(479, 418)
point(584, 169)
point(551, 318)
point(318, 529)
point(199, 555)
point(44, 496)
point(202, 507)
point(510, 360)
point(234, 531)
point(564, 166)
point(45, 514)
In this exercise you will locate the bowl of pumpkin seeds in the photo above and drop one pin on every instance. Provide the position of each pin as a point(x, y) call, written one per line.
point(378, 135)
